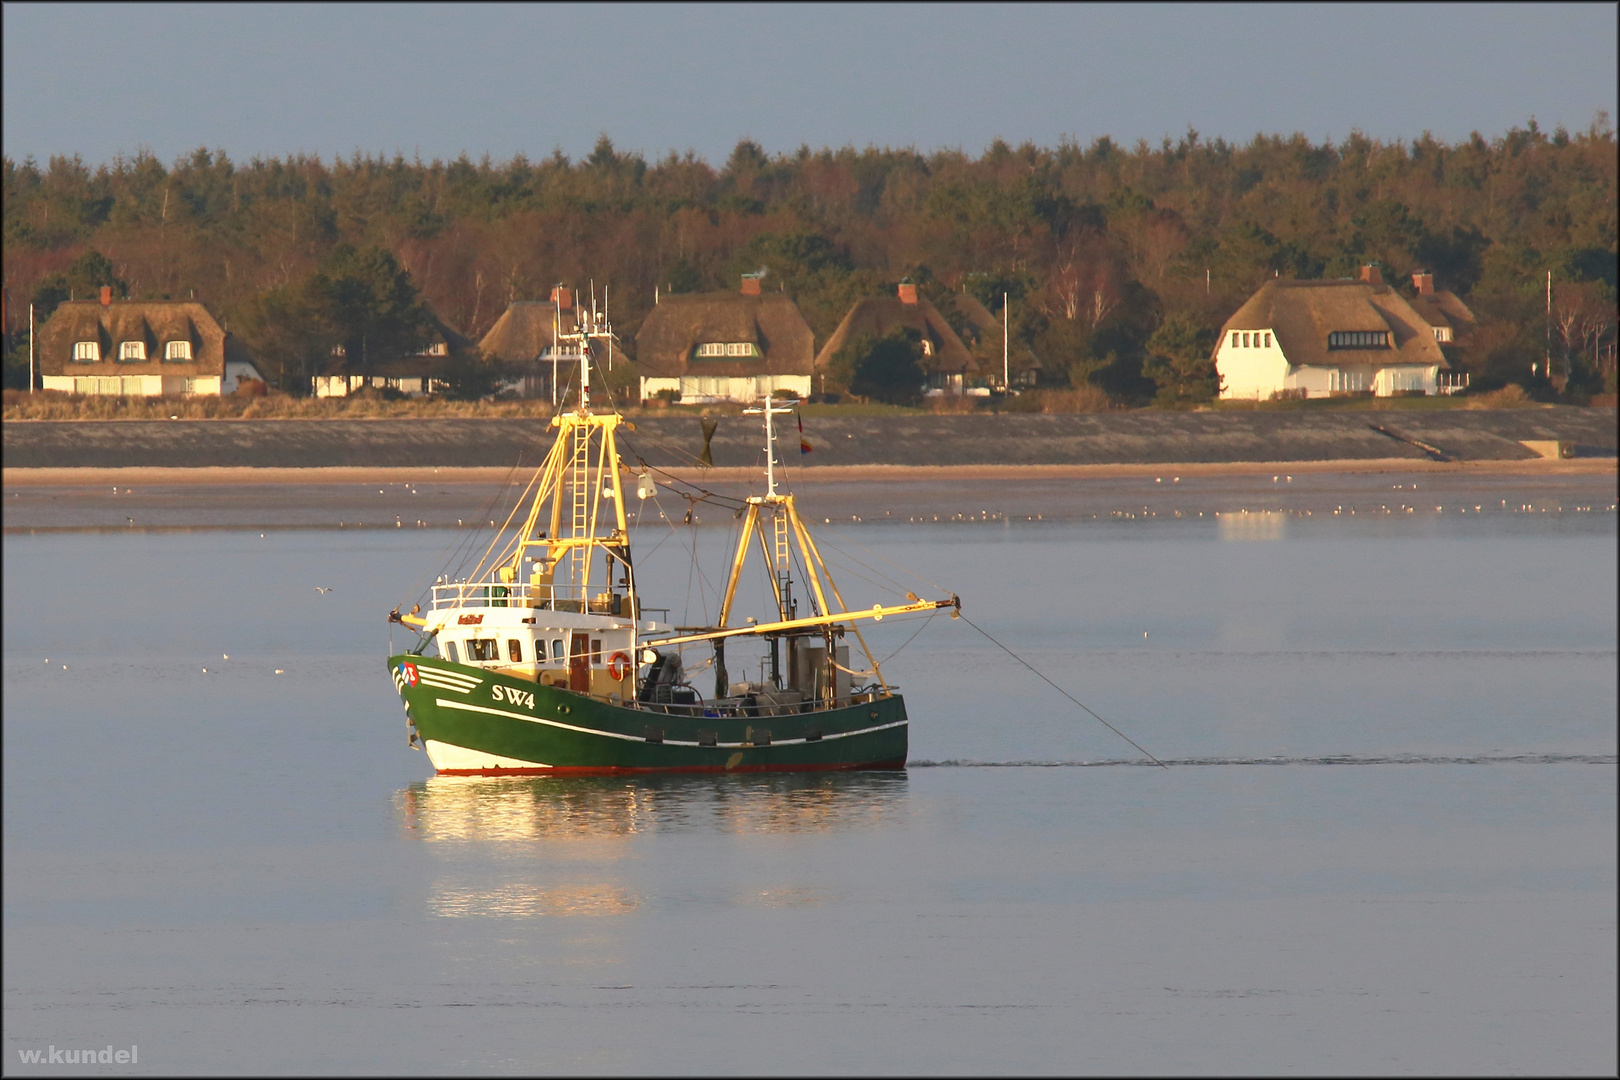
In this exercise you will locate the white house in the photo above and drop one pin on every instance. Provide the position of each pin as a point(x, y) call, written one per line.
point(140, 348)
point(740, 346)
point(1322, 338)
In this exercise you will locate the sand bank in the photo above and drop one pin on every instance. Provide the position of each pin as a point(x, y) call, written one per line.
point(237, 476)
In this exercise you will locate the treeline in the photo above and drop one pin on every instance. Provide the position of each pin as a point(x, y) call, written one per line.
point(1120, 263)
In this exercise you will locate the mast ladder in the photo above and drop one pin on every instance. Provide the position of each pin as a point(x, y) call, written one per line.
point(580, 470)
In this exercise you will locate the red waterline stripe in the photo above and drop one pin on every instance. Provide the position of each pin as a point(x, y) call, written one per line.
point(620, 770)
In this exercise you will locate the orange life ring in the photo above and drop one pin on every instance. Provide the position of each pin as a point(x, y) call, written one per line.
point(618, 666)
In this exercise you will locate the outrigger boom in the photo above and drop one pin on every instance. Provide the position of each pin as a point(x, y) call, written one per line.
point(877, 611)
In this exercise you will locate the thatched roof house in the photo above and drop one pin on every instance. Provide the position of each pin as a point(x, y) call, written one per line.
point(1446, 315)
point(413, 374)
point(524, 331)
point(145, 348)
point(1318, 338)
point(738, 346)
point(524, 336)
point(950, 365)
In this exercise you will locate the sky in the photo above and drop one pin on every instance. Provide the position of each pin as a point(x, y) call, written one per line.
point(435, 81)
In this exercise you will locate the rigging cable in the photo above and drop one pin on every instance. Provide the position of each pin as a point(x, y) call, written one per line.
point(446, 555)
point(1060, 689)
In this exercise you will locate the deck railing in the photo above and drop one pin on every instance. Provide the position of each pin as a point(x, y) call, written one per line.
point(489, 594)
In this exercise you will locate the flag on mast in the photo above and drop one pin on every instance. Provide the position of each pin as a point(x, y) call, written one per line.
point(804, 445)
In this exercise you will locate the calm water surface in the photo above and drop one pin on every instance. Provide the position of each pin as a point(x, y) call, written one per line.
point(1386, 842)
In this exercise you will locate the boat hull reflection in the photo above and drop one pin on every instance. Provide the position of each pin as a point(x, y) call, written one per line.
point(478, 808)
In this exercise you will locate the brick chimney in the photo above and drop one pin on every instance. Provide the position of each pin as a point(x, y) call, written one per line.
point(106, 296)
point(1371, 275)
point(908, 293)
point(563, 298)
point(1423, 282)
point(750, 285)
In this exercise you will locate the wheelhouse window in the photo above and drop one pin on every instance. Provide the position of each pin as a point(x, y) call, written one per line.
point(86, 352)
point(451, 653)
point(557, 648)
point(1358, 339)
point(177, 350)
point(514, 650)
point(132, 350)
point(483, 649)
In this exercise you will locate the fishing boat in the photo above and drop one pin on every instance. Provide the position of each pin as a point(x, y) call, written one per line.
point(543, 659)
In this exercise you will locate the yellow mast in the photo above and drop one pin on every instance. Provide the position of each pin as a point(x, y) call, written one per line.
point(787, 526)
point(562, 529)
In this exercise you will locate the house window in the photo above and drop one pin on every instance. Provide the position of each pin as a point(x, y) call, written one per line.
point(86, 352)
point(132, 350)
point(727, 348)
point(1245, 341)
point(1358, 339)
point(1235, 338)
point(1268, 341)
point(927, 347)
point(177, 350)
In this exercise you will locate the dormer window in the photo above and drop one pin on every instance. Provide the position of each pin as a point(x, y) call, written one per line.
point(438, 348)
point(927, 347)
point(86, 352)
point(727, 348)
point(132, 350)
point(177, 350)
point(1358, 339)
point(1442, 333)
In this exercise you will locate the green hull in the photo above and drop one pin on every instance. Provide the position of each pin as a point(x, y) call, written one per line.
point(479, 722)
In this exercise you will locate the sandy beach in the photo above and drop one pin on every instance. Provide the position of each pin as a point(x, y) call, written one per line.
point(348, 498)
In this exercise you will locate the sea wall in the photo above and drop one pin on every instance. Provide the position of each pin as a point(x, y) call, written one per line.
point(1101, 438)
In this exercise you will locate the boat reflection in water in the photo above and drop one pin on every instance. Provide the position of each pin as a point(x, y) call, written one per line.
point(605, 809)
point(561, 842)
